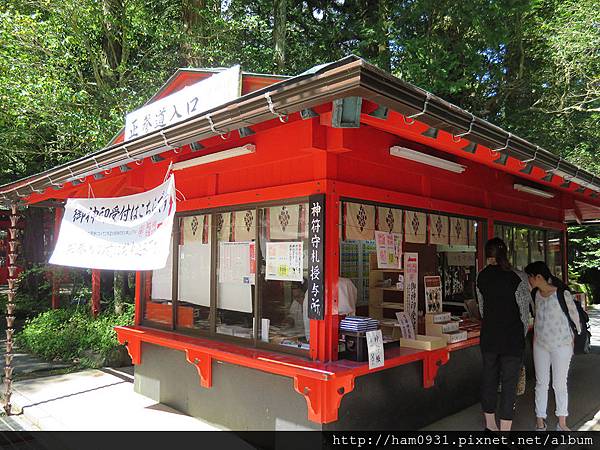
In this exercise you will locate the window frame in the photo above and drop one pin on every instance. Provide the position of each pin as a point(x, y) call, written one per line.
point(212, 334)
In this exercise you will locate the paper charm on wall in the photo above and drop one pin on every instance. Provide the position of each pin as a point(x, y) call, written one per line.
point(472, 232)
point(359, 222)
point(245, 226)
point(222, 222)
point(195, 229)
point(284, 222)
point(438, 229)
point(389, 220)
point(459, 231)
point(415, 227)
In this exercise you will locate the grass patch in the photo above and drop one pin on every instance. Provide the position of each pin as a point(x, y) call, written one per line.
point(73, 335)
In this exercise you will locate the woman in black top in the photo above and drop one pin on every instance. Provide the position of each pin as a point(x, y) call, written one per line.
point(503, 302)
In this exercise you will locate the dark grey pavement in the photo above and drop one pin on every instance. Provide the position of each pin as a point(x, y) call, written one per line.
point(584, 396)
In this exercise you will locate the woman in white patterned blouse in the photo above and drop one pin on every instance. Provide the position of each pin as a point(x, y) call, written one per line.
point(552, 342)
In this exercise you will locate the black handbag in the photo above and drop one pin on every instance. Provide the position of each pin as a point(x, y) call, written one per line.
point(582, 342)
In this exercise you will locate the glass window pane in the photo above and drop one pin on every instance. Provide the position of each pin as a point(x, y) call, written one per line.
point(193, 295)
point(157, 293)
point(555, 253)
point(499, 231)
point(236, 273)
point(283, 272)
point(458, 266)
point(536, 245)
point(521, 258)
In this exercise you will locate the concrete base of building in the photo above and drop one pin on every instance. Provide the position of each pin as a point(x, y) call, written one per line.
point(247, 399)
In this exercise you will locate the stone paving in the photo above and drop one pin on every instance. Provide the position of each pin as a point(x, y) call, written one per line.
point(25, 363)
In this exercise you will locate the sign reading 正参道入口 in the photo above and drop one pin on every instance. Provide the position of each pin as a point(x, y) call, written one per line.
point(122, 233)
point(190, 101)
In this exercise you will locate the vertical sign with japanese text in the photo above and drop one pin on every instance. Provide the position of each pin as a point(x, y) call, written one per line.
point(316, 257)
point(411, 287)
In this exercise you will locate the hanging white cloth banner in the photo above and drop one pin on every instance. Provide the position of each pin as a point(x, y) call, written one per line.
point(122, 233)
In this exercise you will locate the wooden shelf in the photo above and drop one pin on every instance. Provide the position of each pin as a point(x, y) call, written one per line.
point(390, 288)
point(381, 296)
point(387, 270)
point(392, 305)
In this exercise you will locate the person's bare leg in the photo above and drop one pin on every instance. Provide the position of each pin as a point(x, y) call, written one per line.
point(505, 425)
point(562, 421)
point(490, 421)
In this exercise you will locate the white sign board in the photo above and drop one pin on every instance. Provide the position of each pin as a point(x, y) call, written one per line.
point(284, 261)
point(122, 233)
point(389, 250)
point(190, 101)
point(194, 273)
point(237, 262)
point(375, 349)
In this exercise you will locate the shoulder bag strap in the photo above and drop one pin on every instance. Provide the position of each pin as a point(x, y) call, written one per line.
point(560, 293)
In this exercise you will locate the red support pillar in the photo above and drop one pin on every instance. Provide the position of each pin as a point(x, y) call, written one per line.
point(95, 292)
point(138, 298)
point(56, 277)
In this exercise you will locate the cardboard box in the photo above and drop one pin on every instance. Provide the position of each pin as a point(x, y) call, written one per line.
point(438, 329)
point(455, 336)
point(423, 342)
point(438, 317)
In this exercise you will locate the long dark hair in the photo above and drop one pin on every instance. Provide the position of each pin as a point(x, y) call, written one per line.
point(540, 268)
point(496, 248)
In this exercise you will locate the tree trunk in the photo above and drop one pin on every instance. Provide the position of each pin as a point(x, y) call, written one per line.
point(376, 17)
point(107, 284)
point(118, 290)
point(192, 25)
point(112, 41)
point(279, 34)
point(126, 287)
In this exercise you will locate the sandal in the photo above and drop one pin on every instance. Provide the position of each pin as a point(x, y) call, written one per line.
point(544, 428)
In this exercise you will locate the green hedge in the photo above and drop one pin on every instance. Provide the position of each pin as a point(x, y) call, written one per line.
point(72, 334)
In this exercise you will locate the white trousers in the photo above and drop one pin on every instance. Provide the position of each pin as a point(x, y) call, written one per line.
point(559, 359)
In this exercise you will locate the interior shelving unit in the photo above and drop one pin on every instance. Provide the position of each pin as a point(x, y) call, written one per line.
point(384, 301)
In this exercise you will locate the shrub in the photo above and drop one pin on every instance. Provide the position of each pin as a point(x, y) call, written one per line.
point(72, 334)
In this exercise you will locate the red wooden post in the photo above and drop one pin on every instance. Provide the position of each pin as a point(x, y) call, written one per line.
point(564, 253)
point(56, 277)
point(95, 292)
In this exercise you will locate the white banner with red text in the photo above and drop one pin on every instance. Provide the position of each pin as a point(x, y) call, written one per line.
point(122, 233)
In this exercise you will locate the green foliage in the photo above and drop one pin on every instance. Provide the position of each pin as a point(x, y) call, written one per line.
point(584, 258)
point(70, 334)
point(34, 292)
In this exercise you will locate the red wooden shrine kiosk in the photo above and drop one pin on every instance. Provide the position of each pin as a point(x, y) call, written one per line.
point(218, 336)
